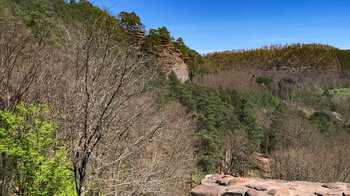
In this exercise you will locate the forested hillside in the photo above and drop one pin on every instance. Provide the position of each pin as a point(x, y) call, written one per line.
point(294, 57)
point(305, 108)
point(89, 106)
point(78, 100)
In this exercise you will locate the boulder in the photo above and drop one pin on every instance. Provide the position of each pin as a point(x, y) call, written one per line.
point(251, 192)
point(335, 186)
point(204, 190)
point(238, 181)
point(258, 187)
point(233, 192)
point(272, 192)
point(346, 193)
point(224, 181)
point(328, 193)
point(211, 179)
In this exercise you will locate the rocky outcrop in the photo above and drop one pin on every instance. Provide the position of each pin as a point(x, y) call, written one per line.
point(173, 60)
point(226, 185)
point(181, 70)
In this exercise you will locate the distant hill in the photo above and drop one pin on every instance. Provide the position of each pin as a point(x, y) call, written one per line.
point(94, 104)
point(295, 57)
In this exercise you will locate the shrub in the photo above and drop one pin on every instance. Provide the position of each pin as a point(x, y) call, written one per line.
point(263, 80)
point(323, 122)
point(35, 164)
point(344, 58)
point(289, 81)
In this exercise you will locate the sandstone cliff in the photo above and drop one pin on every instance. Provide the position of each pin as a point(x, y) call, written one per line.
point(174, 61)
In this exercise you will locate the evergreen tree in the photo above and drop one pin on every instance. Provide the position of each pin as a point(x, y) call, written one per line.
point(130, 21)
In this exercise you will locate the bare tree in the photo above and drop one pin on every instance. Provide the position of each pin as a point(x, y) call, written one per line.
point(105, 77)
point(152, 155)
point(113, 122)
point(120, 140)
point(22, 61)
point(302, 152)
point(312, 164)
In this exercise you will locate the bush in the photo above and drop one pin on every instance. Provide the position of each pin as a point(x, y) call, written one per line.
point(289, 81)
point(263, 80)
point(323, 122)
point(344, 58)
point(347, 128)
point(35, 164)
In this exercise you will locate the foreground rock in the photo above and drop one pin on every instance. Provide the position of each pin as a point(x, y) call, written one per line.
point(225, 185)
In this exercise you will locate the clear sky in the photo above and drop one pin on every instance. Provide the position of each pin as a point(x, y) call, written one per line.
point(216, 25)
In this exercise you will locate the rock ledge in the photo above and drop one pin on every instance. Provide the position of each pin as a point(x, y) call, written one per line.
point(225, 185)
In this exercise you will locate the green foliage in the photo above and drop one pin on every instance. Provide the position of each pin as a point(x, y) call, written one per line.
point(344, 58)
point(340, 92)
point(52, 19)
point(85, 13)
point(192, 58)
point(195, 64)
point(3, 5)
point(289, 81)
point(210, 147)
point(263, 80)
point(152, 43)
point(156, 40)
point(36, 163)
point(278, 117)
point(323, 122)
point(264, 99)
point(288, 89)
point(347, 128)
point(279, 57)
point(38, 13)
point(49, 19)
point(159, 39)
point(160, 35)
point(179, 44)
point(130, 21)
point(35, 15)
point(219, 113)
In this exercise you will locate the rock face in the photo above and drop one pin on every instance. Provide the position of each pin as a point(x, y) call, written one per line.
point(181, 70)
point(173, 61)
point(225, 185)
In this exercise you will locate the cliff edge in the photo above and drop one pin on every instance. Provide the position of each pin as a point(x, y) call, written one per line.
point(226, 185)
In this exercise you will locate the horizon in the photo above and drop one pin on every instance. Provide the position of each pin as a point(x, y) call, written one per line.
point(228, 25)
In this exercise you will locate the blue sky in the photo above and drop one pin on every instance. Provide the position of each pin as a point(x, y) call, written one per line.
point(217, 25)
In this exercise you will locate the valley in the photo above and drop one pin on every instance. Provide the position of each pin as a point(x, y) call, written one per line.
point(93, 103)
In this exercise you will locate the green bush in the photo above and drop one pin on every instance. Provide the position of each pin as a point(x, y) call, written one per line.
point(323, 122)
point(35, 163)
point(289, 81)
point(340, 92)
point(263, 80)
point(262, 99)
point(344, 58)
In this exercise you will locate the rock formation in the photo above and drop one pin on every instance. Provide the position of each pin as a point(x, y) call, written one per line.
point(225, 185)
point(180, 69)
point(174, 61)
